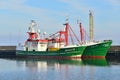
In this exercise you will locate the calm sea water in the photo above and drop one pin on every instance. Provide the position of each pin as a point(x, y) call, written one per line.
point(36, 69)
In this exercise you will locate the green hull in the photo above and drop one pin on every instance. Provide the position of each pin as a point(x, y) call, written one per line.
point(72, 52)
point(98, 50)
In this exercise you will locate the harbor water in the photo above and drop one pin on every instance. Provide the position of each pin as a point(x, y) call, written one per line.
point(50, 69)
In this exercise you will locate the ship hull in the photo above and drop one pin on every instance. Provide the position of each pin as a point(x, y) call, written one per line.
point(97, 50)
point(67, 53)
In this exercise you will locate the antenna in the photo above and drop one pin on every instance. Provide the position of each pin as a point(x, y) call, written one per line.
point(31, 27)
point(78, 21)
point(33, 23)
point(67, 18)
point(44, 33)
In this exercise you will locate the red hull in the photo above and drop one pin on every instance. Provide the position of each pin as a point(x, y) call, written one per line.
point(50, 57)
point(99, 57)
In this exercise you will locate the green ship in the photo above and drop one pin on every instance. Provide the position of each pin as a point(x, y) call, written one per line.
point(97, 50)
point(63, 53)
point(94, 49)
point(55, 46)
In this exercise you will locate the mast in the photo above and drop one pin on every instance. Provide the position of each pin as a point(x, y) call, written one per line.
point(31, 30)
point(91, 26)
point(81, 33)
point(66, 32)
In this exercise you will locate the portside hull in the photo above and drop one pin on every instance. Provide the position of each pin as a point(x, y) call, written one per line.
point(68, 53)
point(98, 50)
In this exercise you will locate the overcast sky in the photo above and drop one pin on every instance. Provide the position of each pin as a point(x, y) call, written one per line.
point(15, 16)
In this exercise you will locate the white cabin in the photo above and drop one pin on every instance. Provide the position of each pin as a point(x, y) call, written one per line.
point(36, 45)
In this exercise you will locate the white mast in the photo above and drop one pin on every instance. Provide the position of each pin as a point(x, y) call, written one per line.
point(31, 27)
point(38, 34)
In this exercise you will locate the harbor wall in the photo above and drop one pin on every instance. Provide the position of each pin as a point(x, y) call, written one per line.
point(7, 51)
point(114, 52)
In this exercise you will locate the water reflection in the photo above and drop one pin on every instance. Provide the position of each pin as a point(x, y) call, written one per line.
point(95, 62)
point(42, 64)
point(53, 69)
point(114, 60)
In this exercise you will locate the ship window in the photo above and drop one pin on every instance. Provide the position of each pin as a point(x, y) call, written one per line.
point(26, 48)
point(42, 43)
